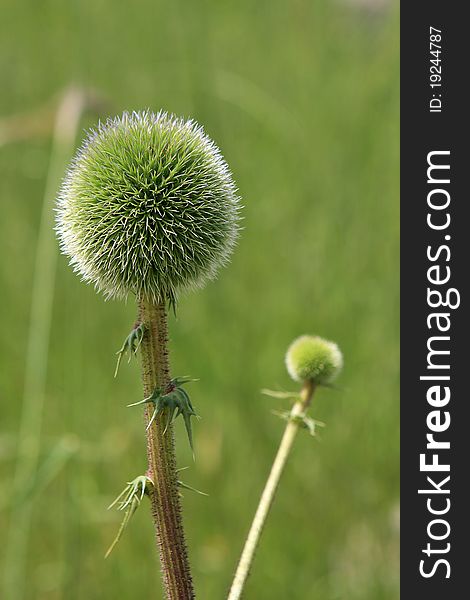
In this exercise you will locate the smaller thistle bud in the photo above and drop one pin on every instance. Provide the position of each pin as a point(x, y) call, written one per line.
point(312, 358)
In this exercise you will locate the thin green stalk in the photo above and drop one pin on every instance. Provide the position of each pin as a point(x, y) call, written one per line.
point(65, 131)
point(267, 497)
point(164, 496)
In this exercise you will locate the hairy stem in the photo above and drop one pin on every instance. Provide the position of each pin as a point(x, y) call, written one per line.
point(269, 492)
point(164, 497)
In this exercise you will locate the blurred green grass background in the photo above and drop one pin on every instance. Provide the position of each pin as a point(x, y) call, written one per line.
point(302, 98)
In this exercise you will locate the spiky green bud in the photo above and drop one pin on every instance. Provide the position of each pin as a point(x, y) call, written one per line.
point(311, 358)
point(148, 206)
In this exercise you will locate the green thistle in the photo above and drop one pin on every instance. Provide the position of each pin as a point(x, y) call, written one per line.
point(312, 361)
point(148, 206)
point(311, 358)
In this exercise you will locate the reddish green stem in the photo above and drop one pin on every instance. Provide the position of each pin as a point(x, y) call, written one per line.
point(164, 496)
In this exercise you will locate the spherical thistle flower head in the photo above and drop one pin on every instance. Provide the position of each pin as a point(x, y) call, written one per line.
point(311, 358)
point(148, 206)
